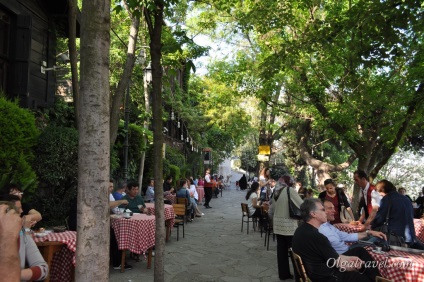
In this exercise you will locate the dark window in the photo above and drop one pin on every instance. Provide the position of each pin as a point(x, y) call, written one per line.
point(4, 47)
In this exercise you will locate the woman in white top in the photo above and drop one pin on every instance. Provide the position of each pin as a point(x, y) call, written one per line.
point(252, 198)
point(195, 197)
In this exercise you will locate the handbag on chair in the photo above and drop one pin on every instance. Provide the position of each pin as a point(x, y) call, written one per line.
point(345, 216)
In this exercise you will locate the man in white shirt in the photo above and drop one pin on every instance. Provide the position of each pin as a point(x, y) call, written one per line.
point(370, 199)
point(339, 238)
point(208, 187)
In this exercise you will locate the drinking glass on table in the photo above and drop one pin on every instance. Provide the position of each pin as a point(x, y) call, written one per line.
point(141, 208)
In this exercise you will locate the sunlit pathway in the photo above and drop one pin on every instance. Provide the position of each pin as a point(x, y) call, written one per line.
point(213, 249)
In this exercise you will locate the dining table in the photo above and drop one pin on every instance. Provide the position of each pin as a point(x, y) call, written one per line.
point(58, 250)
point(135, 234)
point(169, 216)
point(170, 197)
point(419, 228)
point(399, 266)
point(350, 228)
point(201, 193)
point(347, 227)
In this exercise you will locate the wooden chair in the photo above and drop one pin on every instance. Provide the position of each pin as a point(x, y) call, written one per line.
point(298, 266)
point(180, 213)
point(266, 225)
point(184, 201)
point(247, 217)
point(382, 279)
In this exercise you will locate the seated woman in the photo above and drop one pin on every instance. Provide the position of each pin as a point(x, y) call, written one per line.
point(252, 198)
point(182, 192)
point(29, 254)
point(194, 197)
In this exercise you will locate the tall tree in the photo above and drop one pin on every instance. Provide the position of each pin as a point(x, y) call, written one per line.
point(94, 145)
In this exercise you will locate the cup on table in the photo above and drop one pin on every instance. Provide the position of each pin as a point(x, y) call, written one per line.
point(378, 249)
point(121, 210)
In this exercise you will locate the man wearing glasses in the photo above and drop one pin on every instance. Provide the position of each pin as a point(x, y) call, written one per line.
point(321, 261)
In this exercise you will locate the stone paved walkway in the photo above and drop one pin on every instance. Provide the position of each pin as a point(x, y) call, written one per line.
point(213, 249)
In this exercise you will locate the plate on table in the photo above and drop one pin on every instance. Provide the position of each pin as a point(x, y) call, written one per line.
point(379, 252)
point(59, 229)
point(40, 234)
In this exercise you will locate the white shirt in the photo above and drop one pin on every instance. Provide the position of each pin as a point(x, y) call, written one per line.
point(112, 199)
point(194, 191)
point(375, 196)
point(208, 178)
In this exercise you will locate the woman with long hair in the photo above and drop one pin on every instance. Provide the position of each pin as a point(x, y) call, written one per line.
point(252, 198)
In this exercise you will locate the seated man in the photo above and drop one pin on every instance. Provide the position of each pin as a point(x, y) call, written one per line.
point(150, 191)
point(120, 191)
point(33, 265)
point(10, 225)
point(113, 202)
point(114, 252)
point(322, 262)
point(134, 200)
point(339, 238)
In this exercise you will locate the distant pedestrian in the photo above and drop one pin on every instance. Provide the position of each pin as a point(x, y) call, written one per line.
point(208, 186)
point(243, 182)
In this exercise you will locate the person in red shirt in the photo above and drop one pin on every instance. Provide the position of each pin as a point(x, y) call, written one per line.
point(337, 197)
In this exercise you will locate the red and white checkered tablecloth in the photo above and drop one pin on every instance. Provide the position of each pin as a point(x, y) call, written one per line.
point(201, 193)
point(349, 228)
point(171, 197)
point(404, 267)
point(419, 229)
point(63, 261)
point(169, 212)
point(136, 234)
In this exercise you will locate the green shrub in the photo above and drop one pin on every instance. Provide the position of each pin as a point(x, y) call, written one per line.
point(176, 174)
point(135, 146)
point(57, 168)
point(18, 135)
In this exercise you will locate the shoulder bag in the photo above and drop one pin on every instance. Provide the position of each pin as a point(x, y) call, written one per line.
point(345, 216)
point(392, 239)
point(294, 211)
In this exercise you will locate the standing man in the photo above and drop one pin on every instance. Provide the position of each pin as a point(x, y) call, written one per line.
point(208, 188)
point(370, 199)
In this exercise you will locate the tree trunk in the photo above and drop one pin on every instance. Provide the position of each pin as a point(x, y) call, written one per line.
point(321, 168)
point(125, 78)
point(94, 145)
point(73, 56)
point(155, 33)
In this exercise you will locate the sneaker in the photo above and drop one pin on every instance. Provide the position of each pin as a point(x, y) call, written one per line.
point(127, 267)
